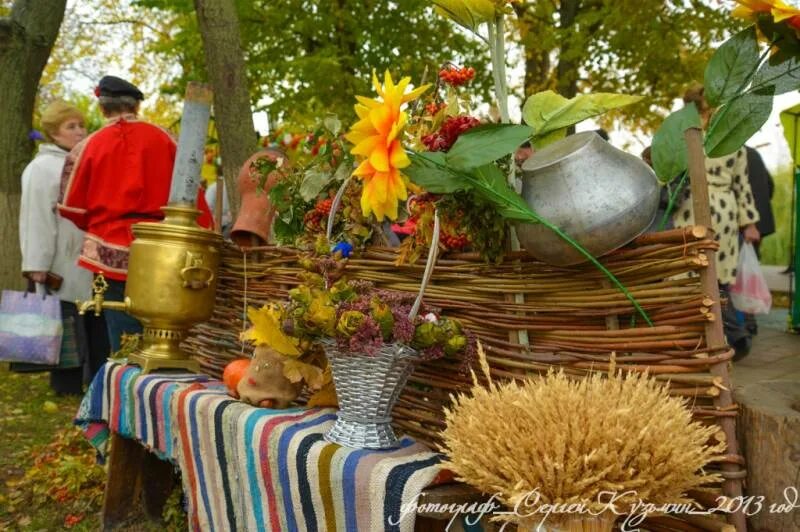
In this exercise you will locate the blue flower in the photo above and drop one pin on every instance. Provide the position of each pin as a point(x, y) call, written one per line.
point(345, 248)
point(35, 135)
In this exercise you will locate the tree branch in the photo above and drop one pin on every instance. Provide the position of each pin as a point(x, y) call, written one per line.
point(133, 22)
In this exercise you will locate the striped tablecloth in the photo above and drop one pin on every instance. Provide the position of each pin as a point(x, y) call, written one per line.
point(246, 468)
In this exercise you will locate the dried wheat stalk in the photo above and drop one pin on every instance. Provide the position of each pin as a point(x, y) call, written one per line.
point(572, 439)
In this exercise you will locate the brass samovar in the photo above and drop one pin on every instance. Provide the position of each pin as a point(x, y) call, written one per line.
point(172, 266)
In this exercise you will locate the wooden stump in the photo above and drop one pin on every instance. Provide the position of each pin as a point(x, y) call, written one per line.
point(137, 483)
point(770, 434)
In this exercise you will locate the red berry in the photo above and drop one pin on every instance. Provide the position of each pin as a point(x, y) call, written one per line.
point(456, 76)
point(447, 135)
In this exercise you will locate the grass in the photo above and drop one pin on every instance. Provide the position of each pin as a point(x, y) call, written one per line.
point(49, 478)
point(776, 247)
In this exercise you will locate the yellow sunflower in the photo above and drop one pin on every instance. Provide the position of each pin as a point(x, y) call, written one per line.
point(377, 142)
point(781, 11)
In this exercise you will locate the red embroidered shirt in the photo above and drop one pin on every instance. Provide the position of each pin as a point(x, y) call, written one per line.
point(116, 177)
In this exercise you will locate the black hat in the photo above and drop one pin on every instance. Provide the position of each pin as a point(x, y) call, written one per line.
point(114, 86)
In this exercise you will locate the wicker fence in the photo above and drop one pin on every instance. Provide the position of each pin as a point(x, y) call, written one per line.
point(568, 317)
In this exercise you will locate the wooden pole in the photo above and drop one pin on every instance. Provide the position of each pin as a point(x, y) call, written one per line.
point(715, 336)
point(191, 144)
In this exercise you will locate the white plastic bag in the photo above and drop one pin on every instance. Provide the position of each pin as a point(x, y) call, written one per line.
point(750, 293)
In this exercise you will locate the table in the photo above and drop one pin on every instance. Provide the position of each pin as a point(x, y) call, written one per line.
point(247, 468)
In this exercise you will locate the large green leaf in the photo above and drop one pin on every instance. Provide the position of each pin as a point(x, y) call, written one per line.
point(730, 67)
point(485, 144)
point(547, 111)
point(491, 183)
point(735, 122)
point(467, 13)
point(429, 170)
point(668, 150)
point(313, 183)
point(540, 107)
point(783, 76)
point(540, 142)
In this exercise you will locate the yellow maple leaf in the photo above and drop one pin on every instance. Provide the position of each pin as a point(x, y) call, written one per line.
point(325, 397)
point(266, 330)
point(295, 371)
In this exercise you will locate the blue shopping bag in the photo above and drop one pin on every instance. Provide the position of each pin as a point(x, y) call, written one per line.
point(30, 327)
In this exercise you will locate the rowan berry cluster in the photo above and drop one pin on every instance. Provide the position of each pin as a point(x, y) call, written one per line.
point(455, 76)
point(447, 135)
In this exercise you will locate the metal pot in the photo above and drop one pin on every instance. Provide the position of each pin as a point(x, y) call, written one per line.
point(600, 196)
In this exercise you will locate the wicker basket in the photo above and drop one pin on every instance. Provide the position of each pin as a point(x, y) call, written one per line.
point(367, 387)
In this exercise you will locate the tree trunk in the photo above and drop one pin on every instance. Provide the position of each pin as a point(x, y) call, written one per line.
point(537, 58)
point(568, 63)
point(26, 39)
point(219, 29)
point(770, 434)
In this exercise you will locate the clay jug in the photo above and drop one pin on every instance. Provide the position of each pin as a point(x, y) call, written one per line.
point(252, 226)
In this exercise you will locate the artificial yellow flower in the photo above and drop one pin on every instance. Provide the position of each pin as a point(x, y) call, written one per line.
point(780, 11)
point(377, 142)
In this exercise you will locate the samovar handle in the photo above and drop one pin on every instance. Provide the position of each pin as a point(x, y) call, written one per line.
point(194, 263)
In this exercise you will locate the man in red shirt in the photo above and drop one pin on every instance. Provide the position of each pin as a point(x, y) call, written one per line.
point(118, 176)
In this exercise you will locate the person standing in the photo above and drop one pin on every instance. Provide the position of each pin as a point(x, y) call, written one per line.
point(50, 246)
point(763, 187)
point(118, 176)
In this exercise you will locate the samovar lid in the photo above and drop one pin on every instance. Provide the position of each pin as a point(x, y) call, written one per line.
point(179, 223)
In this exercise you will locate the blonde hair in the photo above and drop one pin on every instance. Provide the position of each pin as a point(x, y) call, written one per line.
point(56, 114)
point(696, 95)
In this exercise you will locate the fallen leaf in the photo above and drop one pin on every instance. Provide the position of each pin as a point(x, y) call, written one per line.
point(325, 397)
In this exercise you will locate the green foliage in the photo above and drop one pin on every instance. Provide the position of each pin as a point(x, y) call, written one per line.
point(775, 249)
point(429, 170)
point(742, 83)
point(626, 46)
point(307, 59)
point(782, 75)
point(550, 114)
point(485, 144)
point(730, 67)
point(486, 228)
point(290, 207)
point(466, 13)
point(669, 153)
point(737, 121)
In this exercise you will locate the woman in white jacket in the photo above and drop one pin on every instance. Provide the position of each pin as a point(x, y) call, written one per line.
point(51, 244)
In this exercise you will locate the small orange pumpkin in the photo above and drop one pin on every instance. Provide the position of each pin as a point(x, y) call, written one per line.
point(234, 372)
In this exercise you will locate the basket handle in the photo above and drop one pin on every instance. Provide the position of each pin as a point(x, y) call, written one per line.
point(337, 200)
point(433, 252)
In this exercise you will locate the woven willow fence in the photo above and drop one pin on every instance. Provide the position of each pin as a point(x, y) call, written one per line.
point(571, 317)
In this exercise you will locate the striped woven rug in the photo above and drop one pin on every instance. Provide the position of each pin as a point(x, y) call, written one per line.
point(246, 468)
